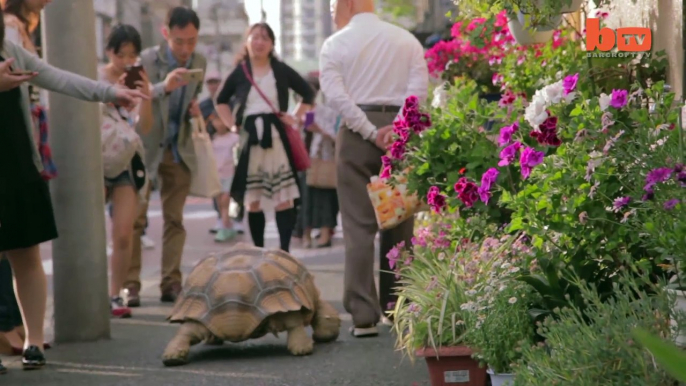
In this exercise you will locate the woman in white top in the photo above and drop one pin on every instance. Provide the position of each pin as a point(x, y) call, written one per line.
point(265, 178)
point(123, 49)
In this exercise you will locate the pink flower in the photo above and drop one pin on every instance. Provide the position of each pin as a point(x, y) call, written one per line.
point(398, 149)
point(435, 199)
point(508, 154)
point(621, 202)
point(487, 181)
point(528, 159)
point(671, 204)
point(394, 254)
point(506, 134)
point(467, 191)
point(507, 99)
point(619, 98)
point(656, 176)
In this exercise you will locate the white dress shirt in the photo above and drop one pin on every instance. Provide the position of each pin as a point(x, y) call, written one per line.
point(371, 62)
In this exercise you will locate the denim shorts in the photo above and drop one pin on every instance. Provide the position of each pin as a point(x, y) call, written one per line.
point(123, 179)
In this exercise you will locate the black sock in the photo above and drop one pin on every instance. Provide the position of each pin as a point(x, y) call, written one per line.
point(285, 222)
point(257, 222)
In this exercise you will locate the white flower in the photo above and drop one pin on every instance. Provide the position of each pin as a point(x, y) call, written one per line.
point(604, 101)
point(506, 265)
point(471, 292)
point(441, 256)
point(440, 96)
point(535, 113)
point(554, 93)
point(512, 300)
point(570, 97)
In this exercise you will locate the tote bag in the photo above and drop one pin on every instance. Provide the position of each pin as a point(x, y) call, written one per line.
point(205, 181)
point(393, 205)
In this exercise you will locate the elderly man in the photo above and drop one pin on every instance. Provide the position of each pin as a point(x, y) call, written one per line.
point(367, 69)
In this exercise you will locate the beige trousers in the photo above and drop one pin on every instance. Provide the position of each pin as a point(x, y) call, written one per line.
point(357, 161)
point(175, 184)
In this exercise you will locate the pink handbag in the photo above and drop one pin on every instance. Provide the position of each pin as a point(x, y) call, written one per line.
point(301, 157)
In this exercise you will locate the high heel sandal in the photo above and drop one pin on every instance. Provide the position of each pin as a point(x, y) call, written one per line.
point(33, 358)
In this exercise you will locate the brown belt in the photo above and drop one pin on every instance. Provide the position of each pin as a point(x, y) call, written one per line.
point(380, 108)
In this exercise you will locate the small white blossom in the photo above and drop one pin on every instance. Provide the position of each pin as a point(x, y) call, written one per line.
point(554, 93)
point(440, 99)
point(512, 300)
point(604, 101)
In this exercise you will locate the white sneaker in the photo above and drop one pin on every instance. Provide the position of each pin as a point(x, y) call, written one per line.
point(147, 243)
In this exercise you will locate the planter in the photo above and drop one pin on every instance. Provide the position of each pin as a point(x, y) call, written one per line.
point(501, 379)
point(453, 366)
point(527, 35)
point(679, 306)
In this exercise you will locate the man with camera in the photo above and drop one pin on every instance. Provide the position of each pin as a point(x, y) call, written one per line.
point(176, 72)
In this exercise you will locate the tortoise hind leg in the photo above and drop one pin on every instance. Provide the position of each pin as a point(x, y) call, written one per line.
point(189, 334)
point(299, 343)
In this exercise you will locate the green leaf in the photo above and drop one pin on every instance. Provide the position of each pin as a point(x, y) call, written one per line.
point(668, 355)
point(577, 111)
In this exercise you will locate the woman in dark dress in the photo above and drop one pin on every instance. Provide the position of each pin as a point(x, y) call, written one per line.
point(265, 179)
point(26, 214)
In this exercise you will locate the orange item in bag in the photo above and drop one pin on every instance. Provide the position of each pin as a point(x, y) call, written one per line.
point(392, 204)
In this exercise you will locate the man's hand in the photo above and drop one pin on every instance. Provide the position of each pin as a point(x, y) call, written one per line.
point(384, 137)
point(194, 109)
point(9, 81)
point(175, 80)
point(128, 98)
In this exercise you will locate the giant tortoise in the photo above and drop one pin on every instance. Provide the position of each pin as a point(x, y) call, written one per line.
point(245, 293)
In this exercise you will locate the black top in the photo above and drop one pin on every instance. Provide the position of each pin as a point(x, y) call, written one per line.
point(16, 151)
point(237, 87)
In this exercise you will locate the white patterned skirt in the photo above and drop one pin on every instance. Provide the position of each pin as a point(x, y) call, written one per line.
point(270, 178)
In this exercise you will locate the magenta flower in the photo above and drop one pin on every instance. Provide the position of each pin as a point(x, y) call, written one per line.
point(435, 199)
point(669, 205)
point(619, 98)
point(489, 178)
point(506, 134)
point(569, 83)
point(385, 173)
point(411, 103)
point(528, 159)
point(621, 202)
point(508, 154)
point(467, 191)
point(398, 149)
point(656, 176)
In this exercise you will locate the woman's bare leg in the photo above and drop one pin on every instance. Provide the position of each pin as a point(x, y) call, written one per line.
point(31, 290)
point(125, 205)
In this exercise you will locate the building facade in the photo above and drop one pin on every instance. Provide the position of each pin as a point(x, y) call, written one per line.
point(305, 24)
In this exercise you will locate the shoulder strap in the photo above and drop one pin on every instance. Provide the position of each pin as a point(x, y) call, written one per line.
point(247, 75)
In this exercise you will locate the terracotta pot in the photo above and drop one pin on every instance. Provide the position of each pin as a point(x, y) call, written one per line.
point(453, 366)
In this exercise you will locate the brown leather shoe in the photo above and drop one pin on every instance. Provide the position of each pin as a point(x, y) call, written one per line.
point(132, 298)
point(170, 294)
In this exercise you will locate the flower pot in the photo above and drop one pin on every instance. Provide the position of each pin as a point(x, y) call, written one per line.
point(574, 6)
point(501, 379)
point(453, 366)
point(679, 306)
point(527, 35)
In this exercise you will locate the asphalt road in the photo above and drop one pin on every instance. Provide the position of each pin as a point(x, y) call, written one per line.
point(132, 356)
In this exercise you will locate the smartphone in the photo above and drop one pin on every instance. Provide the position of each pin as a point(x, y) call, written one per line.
point(194, 75)
point(133, 75)
point(309, 118)
point(21, 73)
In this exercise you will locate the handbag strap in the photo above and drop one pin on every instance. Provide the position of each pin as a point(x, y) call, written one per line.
point(247, 75)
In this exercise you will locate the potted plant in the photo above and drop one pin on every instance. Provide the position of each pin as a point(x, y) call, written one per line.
point(428, 316)
point(498, 322)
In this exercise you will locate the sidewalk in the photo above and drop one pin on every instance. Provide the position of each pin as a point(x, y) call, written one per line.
point(132, 356)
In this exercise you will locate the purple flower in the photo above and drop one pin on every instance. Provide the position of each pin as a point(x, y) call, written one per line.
point(657, 175)
point(508, 154)
point(385, 173)
point(506, 134)
point(489, 178)
point(411, 103)
point(569, 83)
point(619, 98)
point(649, 195)
point(528, 159)
point(435, 199)
point(669, 205)
point(621, 202)
point(394, 254)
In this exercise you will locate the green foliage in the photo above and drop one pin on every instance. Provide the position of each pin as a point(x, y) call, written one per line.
point(668, 355)
point(595, 347)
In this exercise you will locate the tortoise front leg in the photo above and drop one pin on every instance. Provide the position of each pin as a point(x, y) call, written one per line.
point(189, 333)
point(299, 343)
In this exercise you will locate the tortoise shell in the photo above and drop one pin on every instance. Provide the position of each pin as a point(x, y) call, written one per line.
point(232, 293)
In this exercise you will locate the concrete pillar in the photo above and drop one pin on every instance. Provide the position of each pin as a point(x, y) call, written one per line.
point(81, 298)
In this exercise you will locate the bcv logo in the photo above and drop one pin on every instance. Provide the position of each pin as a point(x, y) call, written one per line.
point(626, 39)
